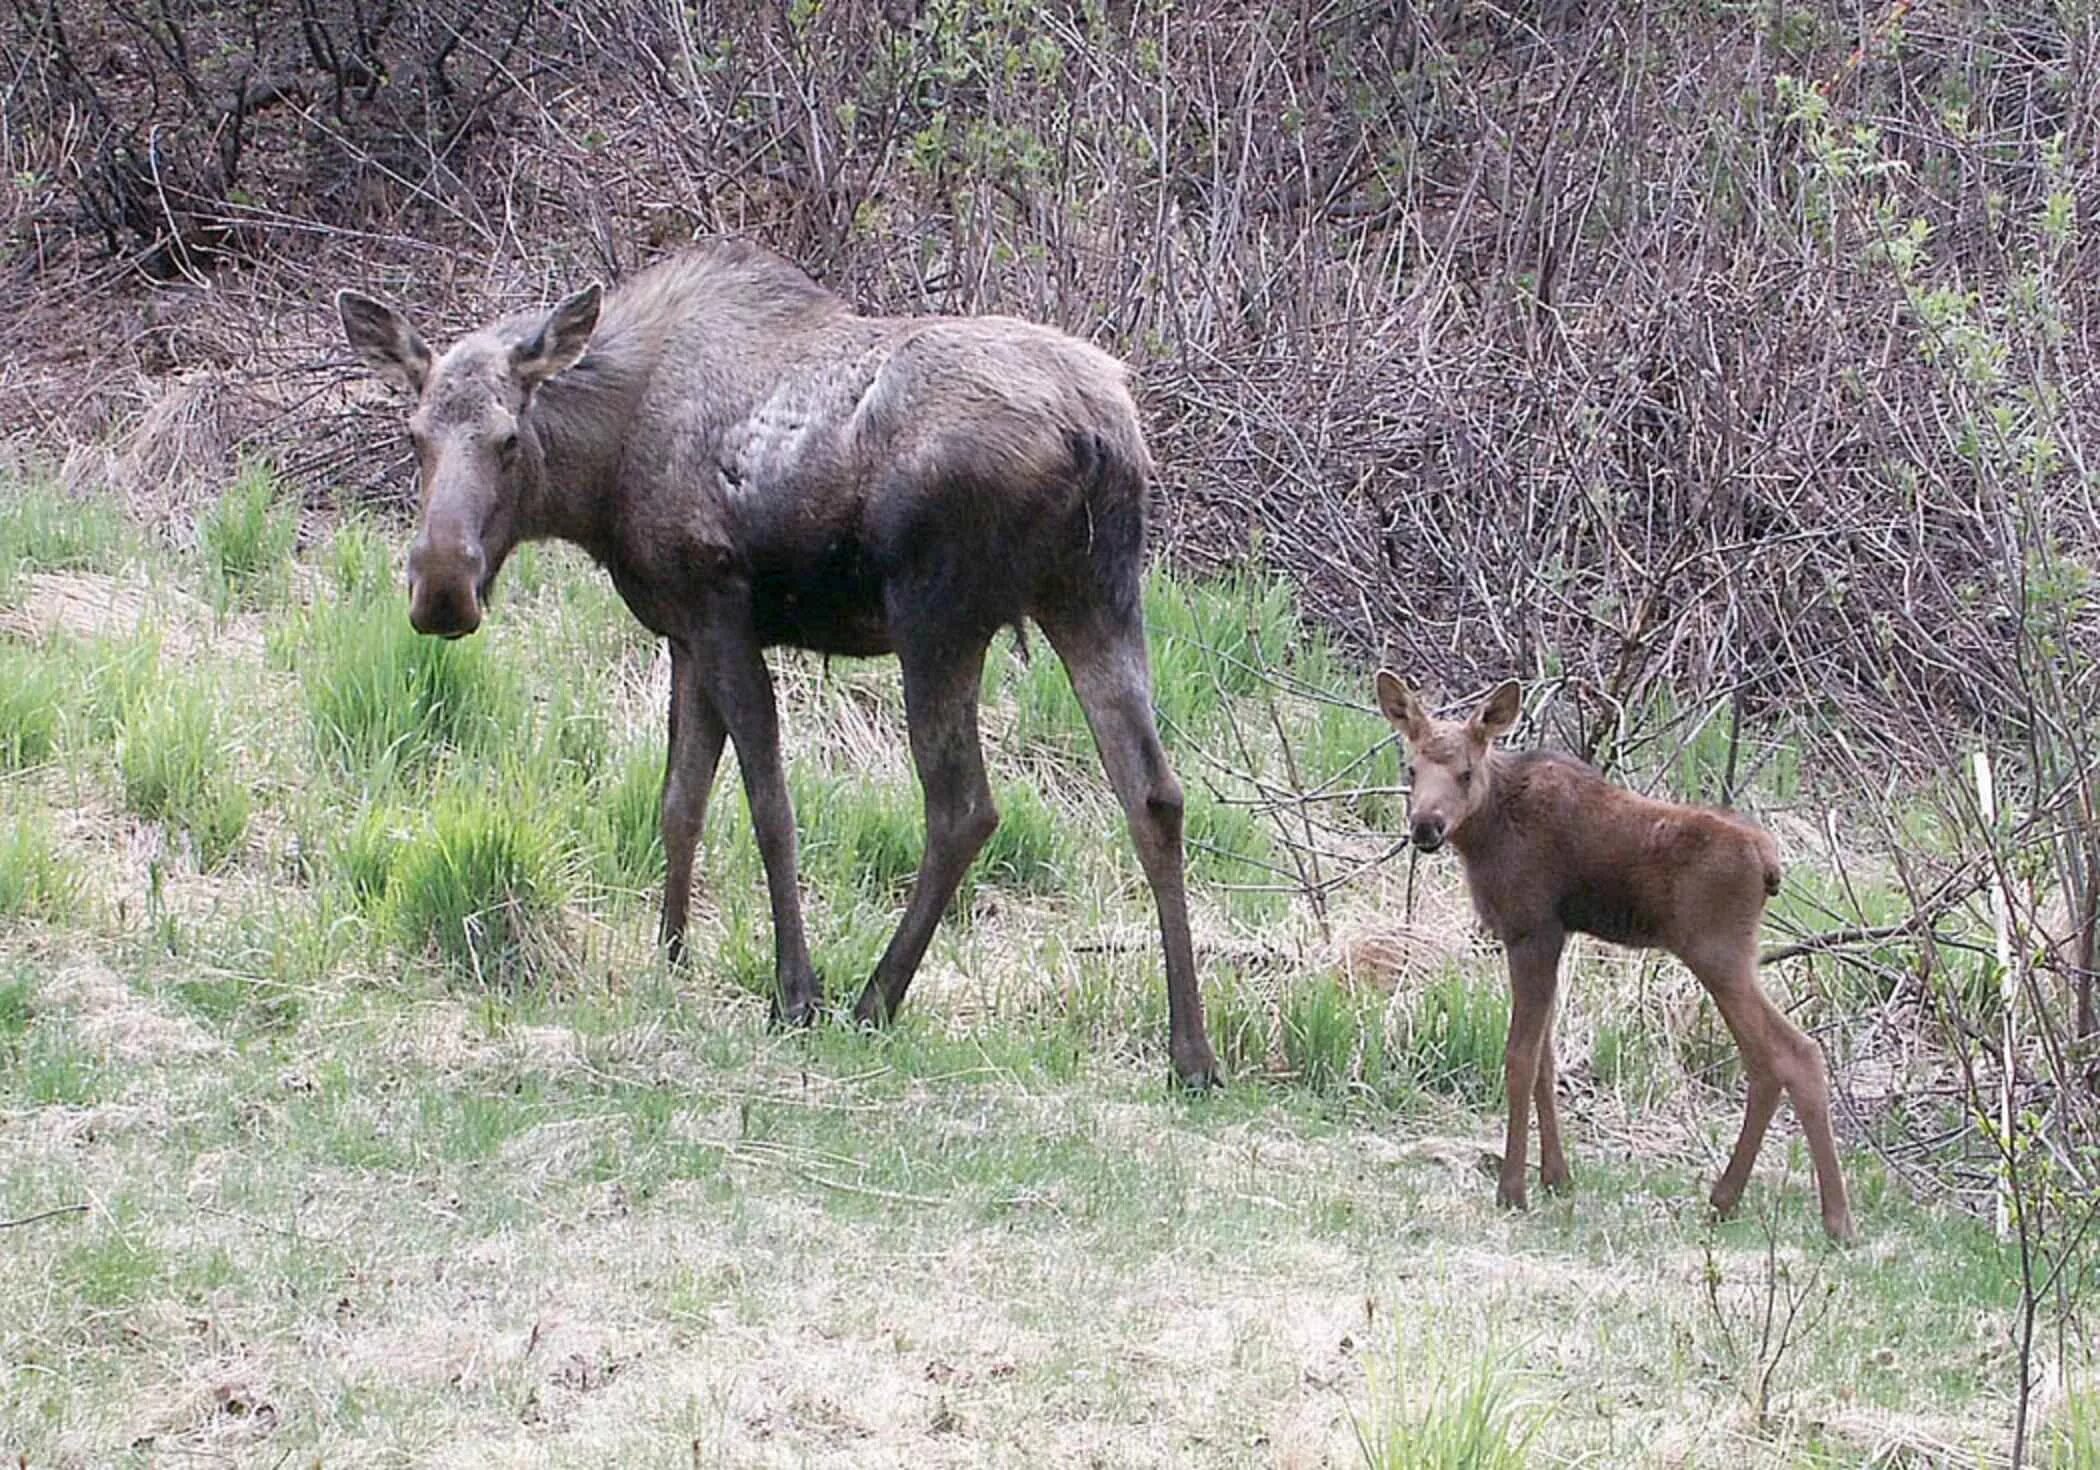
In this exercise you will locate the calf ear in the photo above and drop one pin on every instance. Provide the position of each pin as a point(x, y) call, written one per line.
point(558, 341)
point(1499, 710)
point(383, 340)
point(1401, 709)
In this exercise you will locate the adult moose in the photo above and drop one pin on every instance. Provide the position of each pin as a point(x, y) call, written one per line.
point(755, 464)
point(1550, 847)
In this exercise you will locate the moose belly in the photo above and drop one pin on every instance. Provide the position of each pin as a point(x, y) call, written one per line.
point(829, 603)
point(1612, 914)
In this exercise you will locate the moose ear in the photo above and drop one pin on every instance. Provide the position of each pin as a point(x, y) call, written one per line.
point(1401, 708)
point(383, 340)
point(1499, 710)
point(558, 341)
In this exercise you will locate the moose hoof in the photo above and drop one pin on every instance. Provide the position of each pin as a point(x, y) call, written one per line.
point(1841, 1229)
point(796, 1012)
point(1197, 1071)
point(1557, 1181)
point(872, 1012)
point(1511, 1196)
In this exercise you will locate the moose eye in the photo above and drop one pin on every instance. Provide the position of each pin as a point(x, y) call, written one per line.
point(508, 444)
point(1465, 778)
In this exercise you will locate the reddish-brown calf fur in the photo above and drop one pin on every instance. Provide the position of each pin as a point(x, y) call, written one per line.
point(1550, 848)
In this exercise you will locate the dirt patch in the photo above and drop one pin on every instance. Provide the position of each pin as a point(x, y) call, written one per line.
point(1389, 942)
point(446, 1037)
point(95, 605)
point(118, 1021)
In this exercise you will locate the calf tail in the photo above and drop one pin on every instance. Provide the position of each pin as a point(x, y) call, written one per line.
point(1768, 855)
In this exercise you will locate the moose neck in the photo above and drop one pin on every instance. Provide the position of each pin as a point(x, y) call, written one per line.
point(582, 418)
point(1485, 825)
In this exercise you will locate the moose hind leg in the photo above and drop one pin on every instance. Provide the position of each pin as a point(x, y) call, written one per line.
point(1778, 1058)
point(1112, 677)
point(1808, 1084)
point(940, 708)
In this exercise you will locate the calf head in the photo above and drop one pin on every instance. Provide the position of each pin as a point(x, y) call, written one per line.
point(1448, 777)
point(476, 444)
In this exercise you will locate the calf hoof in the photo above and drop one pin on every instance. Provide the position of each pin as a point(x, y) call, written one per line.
point(1196, 1070)
point(1511, 1195)
point(1557, 1181)
point(1724, 1202)
point(1839, 1228)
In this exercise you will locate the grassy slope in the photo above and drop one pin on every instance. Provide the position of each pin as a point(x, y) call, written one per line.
point(367, 1183)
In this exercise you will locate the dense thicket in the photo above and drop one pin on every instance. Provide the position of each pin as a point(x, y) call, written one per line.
point(1709, 343)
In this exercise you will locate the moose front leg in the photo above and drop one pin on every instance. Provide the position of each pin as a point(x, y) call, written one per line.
point(1534, 975)
point(736, 680)
point(694, 751)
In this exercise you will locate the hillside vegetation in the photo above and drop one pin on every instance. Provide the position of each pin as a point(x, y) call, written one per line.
point(348, 1113)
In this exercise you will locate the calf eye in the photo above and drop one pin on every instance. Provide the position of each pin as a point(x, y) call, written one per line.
point(1465, 779)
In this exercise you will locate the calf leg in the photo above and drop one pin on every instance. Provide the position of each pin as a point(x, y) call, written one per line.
point(1534, 966)
point(1553, 1164)
point(1777, 1057)
point(940, 709)
point(734, 679)
point(1105, 655)
point(697, 734)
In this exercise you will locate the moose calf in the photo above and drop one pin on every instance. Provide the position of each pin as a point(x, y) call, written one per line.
point(1550, 847)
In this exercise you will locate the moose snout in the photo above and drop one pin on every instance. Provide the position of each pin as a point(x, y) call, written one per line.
point(1428, 835)
point(444, 587)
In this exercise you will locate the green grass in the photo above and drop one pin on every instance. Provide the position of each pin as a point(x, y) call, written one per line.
point(1231, 851)
point(178, 769)
point(1457, 1033)
point(380, 695)
point(1031, 850)
point(1628, 1054)
point(1330, 1043)
point(114, 1268)
point(247, 539)
point(2072, 1439)
point(858, 832)
point(31, 691)
point(1212, 640)
point(482, 885)
point(625, 821)
point(36, 880)
point(365, 854)
point(359, 562)
point(43, 529)
point(1438, 1417)
point(47, 1066)
point(115, 675)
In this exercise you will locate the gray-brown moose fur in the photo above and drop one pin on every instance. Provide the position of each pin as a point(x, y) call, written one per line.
point(756, 464)
point(1549, 848)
